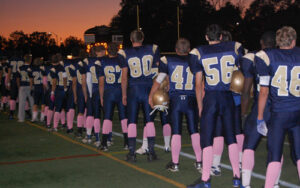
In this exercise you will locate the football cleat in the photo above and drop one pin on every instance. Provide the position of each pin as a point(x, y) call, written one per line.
point(125, 147)
point(87, 141)
point(103, 148)
point(275, 186)
point(141, 151)
point(198, 166)
point(69, 131)
point(54, 129)
point(215, 171)
point(167, 150)
point(109, 143)
point(63, 126)
point(97, 144)
point(151, 157)
point(172, 167)
point(200, 184)
point(236, 182)
point(131, 158)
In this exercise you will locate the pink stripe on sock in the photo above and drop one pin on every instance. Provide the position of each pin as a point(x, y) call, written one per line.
point(248, 159)
point(196, 146)
point(150, 129)
point(89, 122)
point(234, 159)
point(207, 162)
point(63, 117)
point(124, 125)
point(26, 105)
point(106, 126)
point(12, 104)
point(218, 145)
point(272, 174)
point(97, 125)
point(79, 120)
point(132, 130)
point(49, 116)
point(240, 141)
point(175, 148)
point(56, 119)
point(167, 130)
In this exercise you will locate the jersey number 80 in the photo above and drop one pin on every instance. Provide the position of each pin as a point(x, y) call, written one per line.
point(135, 66)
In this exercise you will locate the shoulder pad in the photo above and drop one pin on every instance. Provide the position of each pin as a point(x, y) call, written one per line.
point(237, 45)
point(250, 56)
point(263, 55)
point(62, 63)
point(52, 69)
point(72, 67)
point(86, 60)
point(42, 68)
point(122, 53)
point(196, 52)
point(164, 60)
point(80, 63)
point(98, 63)
point(29, 69)
point(154, 48)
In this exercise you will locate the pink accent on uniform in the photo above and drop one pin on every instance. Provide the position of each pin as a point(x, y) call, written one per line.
point(145, 132)
point(56, 119)
point(218, 145)
point(150, 129)
point(175, 147)
point(207, 162)
point(12, 104)
point(45, 82)
point(97, 125)
point(70, 118)
point(84, 118)
point(89, 122)
point(234, 159)
point(248, 159)
point(62, 117)
point(79, 120)
point(49, 116)
point(132, 130)
point(240, 141)
point(4, 99)
point(124, 125)
point(167, 130)
point(298, 168)
point(272, 173)
point(106, 126)
point(46, 110)
point(196, 146)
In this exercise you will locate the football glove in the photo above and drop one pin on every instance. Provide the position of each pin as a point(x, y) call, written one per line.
point(262, 127)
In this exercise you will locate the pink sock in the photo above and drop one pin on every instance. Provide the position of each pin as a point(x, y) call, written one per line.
point(234, 159)
point(106, 126)
point(150, 129)
point(46, 110)
point(132, 130)
point(248, 159)
point(63, 117)
point(89, 122)
point(218, 145)
point(124, 125)
point(272, 174)
point(167, 130)
point(240, 141)
point(84, 118)
point(298, 168)
point(97, 125)
point(207, 162)
point(12, 105)
point(70, 118)
point(80, 121)
point(49, 117)
point(4, 100)
point(56, 119)
point(196, 146)
point(145, 132)
point(175, 147)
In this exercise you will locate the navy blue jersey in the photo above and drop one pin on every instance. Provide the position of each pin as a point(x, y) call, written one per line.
point(36, 75)
point(58, 72)
point(23, 73)
point(140, 61)
point(14, 64)
point(182, 81)
point(67, 64)
point(81, 68)
point(217, 62)
point(280, 70)
point(92, 67)
point(111, 71)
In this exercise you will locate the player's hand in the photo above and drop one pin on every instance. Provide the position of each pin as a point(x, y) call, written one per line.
point(52, 96)
point(65, 89)
point(150, 101)
point(124, 100)
point(262, 127)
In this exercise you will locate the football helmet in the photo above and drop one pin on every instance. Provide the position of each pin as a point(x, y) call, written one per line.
point(237, 81)
point(160, 100)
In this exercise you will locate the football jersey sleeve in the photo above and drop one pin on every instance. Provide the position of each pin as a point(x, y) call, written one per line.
point(72, 71)
point(82, 68)
point(247, 65)
point(122, 56)
point(156, 56)
point(240, 52)
point(99, 69)
point(163, 65)
point(194, 61)
point(53, 73)
point(30, 72)
point(262, 67)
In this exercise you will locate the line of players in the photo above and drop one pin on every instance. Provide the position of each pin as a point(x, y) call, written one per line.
point(199, 86)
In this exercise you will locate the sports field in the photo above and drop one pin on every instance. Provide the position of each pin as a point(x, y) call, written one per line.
point(30, 156)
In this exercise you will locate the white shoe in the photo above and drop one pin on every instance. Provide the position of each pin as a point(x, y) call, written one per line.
point(54, 129)
point(109, 143)
point(21, 121)
point(141, 151)
point(97, 143)
point(167, 149)
point(87, 141)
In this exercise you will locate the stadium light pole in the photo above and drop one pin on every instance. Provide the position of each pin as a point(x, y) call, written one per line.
point(178, 22)
point(137, 17)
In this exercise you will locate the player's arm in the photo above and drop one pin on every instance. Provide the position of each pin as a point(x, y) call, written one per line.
point(124, 83)
point(101, 88)
point(245, 98)
point(198, 90)
point(156, 84)
point(74, 89)
point(262, 100)
point(84, 88)
point(8, 77)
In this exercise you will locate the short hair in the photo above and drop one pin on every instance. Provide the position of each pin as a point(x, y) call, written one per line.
point(55, 59)
point(112, 49)
point(226, 36)
point(137, 36)
point(213, 32)
point(28, 58)
point(268, 39)
point(37, 61)
point(99, 48)
point(285, 36)
point(183, 45)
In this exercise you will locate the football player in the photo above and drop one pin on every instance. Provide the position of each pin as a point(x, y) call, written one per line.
point(182, 100)
point(4, 91)
point(279, 71)
point(137, 64)
point(93, 98)
point(25, 86)
point(216, 61)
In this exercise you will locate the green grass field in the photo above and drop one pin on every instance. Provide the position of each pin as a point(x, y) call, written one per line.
point(30, 156)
